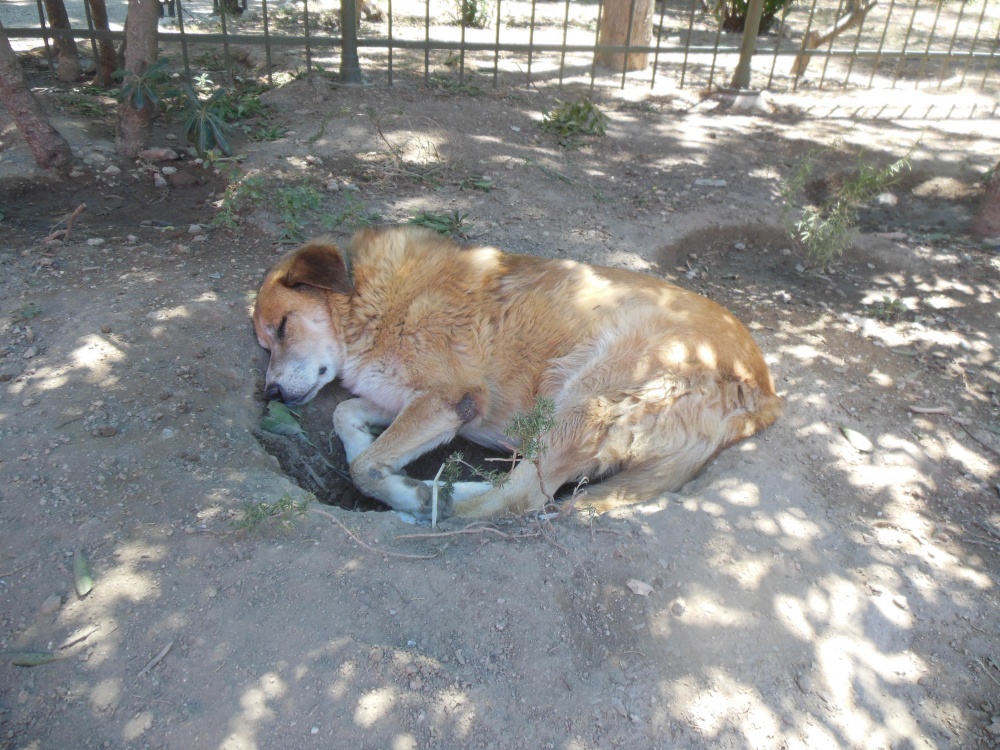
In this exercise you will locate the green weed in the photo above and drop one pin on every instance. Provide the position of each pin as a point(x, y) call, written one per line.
point(25, 312)
point(475, 14)
point(824, 232)
point(205, 125)
point(284, 512)
point(571, 119)
point(886, 310)
point(84, 105)
point(442, 223)
point(354, 215)
point(147, 88)
point(295, 204)
point(453, 86)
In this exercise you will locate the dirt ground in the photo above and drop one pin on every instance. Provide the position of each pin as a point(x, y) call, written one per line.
point(806, 591)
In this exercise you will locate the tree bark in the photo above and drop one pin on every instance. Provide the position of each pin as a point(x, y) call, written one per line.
point(615, 30)
point(135, 126)
point(67, 56)
point(987, 223)
point(107, 62)
point(48, 147)
point(855, 16)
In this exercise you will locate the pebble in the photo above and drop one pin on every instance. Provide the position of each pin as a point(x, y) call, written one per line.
point(95, 241)
point(22, 697)
point(804, 683)
point(994, 729)
point(158, 180)
point(741, 246)
point(107, 430)
point(678, 608)
point(31, 352)
point(28, 402)
point(332, 186)
point(314, 730)
point(195, 229)
point(900, 601)
point(159, 154)
point(710, 183)
point(112, 171)
point(51, 605)
point(168, 171)
point(314, 160)
point(105, 328)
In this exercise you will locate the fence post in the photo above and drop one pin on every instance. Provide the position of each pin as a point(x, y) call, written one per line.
point(350, 66)
point(741, 78)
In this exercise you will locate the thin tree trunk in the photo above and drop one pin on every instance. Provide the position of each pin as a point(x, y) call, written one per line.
point(987, 223)
point(854, 16)
point(135, 126)
point(67, 56)
point(106, 62)
point(48, 147)
point(615, 30)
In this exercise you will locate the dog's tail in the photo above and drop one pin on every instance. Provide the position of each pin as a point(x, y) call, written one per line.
point(671, 471)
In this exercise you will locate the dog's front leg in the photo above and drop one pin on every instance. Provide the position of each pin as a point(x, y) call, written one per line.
point(425, 423)
point(357, 422)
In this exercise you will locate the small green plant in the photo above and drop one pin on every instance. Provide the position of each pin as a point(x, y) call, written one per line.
point(205, 125)
point(354, 215)
point(284, 511)
point(25, 312)
point(294, 204)
point(268, 133)
point(477, 183)
point(732, 14)
point(570, 119)
point(149, 87)
point(454, 223)
point(824, 232)
point(241, 190)
point(84, 105)
point(451, 85)
point(885, 310)
point(474, 13)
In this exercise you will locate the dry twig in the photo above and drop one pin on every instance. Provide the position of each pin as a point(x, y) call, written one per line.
point(155, 660)
point(64, 234)
point(357, 540)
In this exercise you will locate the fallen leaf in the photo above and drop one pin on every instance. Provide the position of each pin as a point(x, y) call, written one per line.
point(858, 441)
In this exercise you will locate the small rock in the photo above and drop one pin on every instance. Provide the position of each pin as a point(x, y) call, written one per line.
point(786, 251)
point(332, 186)
point(213, 592)
point(95, 159)
point(105, 328)
point(741, 246)
point(182, 180)
point(28, 402)
point(22, 697)
point(31, 352)
point(51, 605)
point(107, 430)
point(170, 137)
point(639, 587)
point(112, 171)
point(314, 730)
point(179, 249)
point(195, 229)
point(678, 608)
point(76, 173)
point(804, 683)
point(167, 171)
point(710, 183)
point(900, 601)
point(95, 241)
point(158, 180)
point(314, 160)
point(159, 154)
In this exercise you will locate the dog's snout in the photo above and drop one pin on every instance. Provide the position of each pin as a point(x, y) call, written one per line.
point(274, 392)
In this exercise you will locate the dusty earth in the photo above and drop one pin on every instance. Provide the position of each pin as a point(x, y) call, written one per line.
point(806, 591)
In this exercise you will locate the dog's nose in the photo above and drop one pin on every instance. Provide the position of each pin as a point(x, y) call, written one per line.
point(274, 392)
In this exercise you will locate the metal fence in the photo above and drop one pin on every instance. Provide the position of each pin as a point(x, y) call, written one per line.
point(937, 44)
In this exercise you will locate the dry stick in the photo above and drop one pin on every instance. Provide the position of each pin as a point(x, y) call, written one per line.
point(475, 527)
point(354, 537)
point(931, 410)
point(946, 412)
point(315, 476)
point(16, 570)
point(155, 660)
point(65, 233)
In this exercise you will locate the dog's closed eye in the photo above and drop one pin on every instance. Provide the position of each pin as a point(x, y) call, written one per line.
point(280, 333)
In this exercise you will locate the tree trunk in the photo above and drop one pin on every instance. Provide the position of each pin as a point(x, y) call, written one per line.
point(48, 147)
point(135, 126)
point(107, 62)
point(615, 30)
point(987, 223)
point(854, 16)
point(67, 56)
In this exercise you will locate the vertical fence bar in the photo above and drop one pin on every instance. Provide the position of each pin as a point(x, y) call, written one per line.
point(951, 46)
point(597, 40)
point(881, 43)
point(829, 49)
point(777, 42)
point(854, 56)
point(628, 40)
point(93, 44)
point(184, 44)
point(461, 48)
point(496, 49)
point(531, 39)
point(659, 36)
point(305, 30)
point(799, 70)
point(427, 43)
point(715, 51)
point(45, 37)
point(990, 59)
point(972, 46)
point(906, 42)
point(927, 52)
point(225, 44)
point(562, 54)
point(687, 42)
point(389, 21)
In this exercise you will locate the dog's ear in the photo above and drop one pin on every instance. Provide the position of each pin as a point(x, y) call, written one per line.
point(322, 265)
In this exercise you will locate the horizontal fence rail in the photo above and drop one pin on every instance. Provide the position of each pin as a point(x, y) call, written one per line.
point(817, 43)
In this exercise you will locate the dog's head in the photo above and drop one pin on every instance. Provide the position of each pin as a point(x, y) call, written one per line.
point(297, 319)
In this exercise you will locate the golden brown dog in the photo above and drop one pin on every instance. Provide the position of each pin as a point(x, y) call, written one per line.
point(649, 380)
